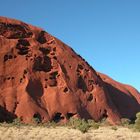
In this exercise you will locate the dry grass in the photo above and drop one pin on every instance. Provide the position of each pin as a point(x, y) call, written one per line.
point(65, 133)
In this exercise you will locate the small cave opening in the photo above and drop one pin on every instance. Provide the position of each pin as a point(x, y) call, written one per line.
point(22, 46)
point(81, 84)
point(91, 82)
point(104, 115)
point(42, 64)
point(52, 53)
point(80, 67)
point(54, 49)
point(8, 78)
point(7, 57)
point(54, 57)
point(10, 56)
point(90, 97)
point(53, 75)
point(21, 80)
point(46, 79)
point(37, 118)
point(22, 50)
point(45, 51)
point(58, 117)
point(41, 38)
point(23, 42)
point(70, 115)
point(25, 71)
point(66, 89)
point(52, 81)
point(12, 78)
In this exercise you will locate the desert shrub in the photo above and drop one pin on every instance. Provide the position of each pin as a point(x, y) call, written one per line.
point(82, 125)
point(104, 122)
point(137, 122)
point(51, 124)
point(17, 122)
point(114, 128)
point(93, 124)
point(125, 121)
point(36, 120)
point(79, 124)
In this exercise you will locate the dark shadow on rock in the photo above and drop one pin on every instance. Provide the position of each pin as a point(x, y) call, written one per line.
point(127, 105)
point(81, 84)
point(35, 88)
point(84, 114)
point(65, 71)
point(35, 91)
point(41, 37)
point(58, 117)
point(42, 64)
point(6, 116)
point(14, 31)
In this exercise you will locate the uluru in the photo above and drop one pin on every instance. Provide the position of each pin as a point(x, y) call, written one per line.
point(42, 77)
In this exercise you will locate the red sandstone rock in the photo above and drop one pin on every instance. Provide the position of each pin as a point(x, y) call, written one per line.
point(125, 97)
point(42, 77)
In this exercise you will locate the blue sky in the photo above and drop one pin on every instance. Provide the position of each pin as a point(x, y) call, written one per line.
point(105, 32)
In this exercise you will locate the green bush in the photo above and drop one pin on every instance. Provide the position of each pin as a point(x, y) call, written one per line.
point(36, 120)
point(114, 128)
point(82, 125)
point(17, 122)
point(137, 122)
point(51, 124)
point(104, 122)
point(79, 124)
point(93, 124)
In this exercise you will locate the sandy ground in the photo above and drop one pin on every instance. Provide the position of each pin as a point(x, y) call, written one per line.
point(64, 133)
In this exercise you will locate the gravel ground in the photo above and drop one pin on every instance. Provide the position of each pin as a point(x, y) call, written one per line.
point(65, 133)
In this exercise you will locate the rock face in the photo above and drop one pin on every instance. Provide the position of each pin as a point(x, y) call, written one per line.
point(41, 77)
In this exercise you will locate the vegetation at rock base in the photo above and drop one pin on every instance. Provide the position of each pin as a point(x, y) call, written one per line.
point(76, 123)
point(137, 122)
point(82, 124)
point(114, 128)
point(36, 120)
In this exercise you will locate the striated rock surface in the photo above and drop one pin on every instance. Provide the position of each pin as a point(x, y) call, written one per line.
point(41, 77)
